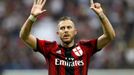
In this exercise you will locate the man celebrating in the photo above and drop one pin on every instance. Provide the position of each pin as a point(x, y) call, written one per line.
point(67, 58)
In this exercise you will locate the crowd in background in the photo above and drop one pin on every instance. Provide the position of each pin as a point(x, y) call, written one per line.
point(14, 54)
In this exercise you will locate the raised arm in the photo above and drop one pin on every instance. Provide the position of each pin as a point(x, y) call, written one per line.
point(25, 35)
point(108, 31)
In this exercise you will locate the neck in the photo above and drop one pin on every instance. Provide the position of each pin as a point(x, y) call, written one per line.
point(68, 45)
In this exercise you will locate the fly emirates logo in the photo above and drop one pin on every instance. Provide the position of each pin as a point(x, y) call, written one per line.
point(70, 62)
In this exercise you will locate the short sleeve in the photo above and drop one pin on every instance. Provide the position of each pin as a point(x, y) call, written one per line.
point(44, 47)
point(93, 43)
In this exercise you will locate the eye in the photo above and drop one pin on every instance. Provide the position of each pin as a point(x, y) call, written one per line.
point(62, 28)
point(69, 27)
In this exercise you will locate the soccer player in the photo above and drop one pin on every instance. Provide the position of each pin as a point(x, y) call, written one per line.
point(67, 58)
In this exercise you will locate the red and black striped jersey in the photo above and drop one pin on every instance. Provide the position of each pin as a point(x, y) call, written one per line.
point(67, 61)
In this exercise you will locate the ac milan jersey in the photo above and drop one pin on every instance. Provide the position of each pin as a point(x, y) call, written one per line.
point(67, 61)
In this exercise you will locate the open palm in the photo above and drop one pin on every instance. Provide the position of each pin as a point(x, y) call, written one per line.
point(37, 8)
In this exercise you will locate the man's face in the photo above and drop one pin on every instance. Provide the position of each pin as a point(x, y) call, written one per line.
point(66, 31)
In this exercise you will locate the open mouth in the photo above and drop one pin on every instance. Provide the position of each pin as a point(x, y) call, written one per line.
point(66, 36)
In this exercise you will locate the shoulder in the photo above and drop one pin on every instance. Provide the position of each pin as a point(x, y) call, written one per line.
point(90, 44)
point(88, 41)
point(46, 43)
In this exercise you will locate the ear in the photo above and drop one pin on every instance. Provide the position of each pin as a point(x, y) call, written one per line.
point(57, 33)
point(76, 31)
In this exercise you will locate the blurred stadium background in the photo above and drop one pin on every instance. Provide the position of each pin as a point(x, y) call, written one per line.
point(17, 58)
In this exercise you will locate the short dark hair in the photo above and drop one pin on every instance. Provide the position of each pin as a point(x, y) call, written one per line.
point(65, 18)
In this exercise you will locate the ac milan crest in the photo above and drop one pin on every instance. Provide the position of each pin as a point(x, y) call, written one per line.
point(78, 51)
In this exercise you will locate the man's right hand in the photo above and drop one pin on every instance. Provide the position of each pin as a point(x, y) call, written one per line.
point(37, 8)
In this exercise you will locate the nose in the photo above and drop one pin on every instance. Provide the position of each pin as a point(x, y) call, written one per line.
point(66, 29)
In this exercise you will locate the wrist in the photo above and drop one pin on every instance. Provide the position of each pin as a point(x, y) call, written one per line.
point(32, 18)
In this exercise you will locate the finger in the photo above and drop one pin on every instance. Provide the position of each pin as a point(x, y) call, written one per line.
point(35, 2)
point(43, 3)
point(43, 11)
point(91, 2)
point(92, 8)
point(40, 2)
